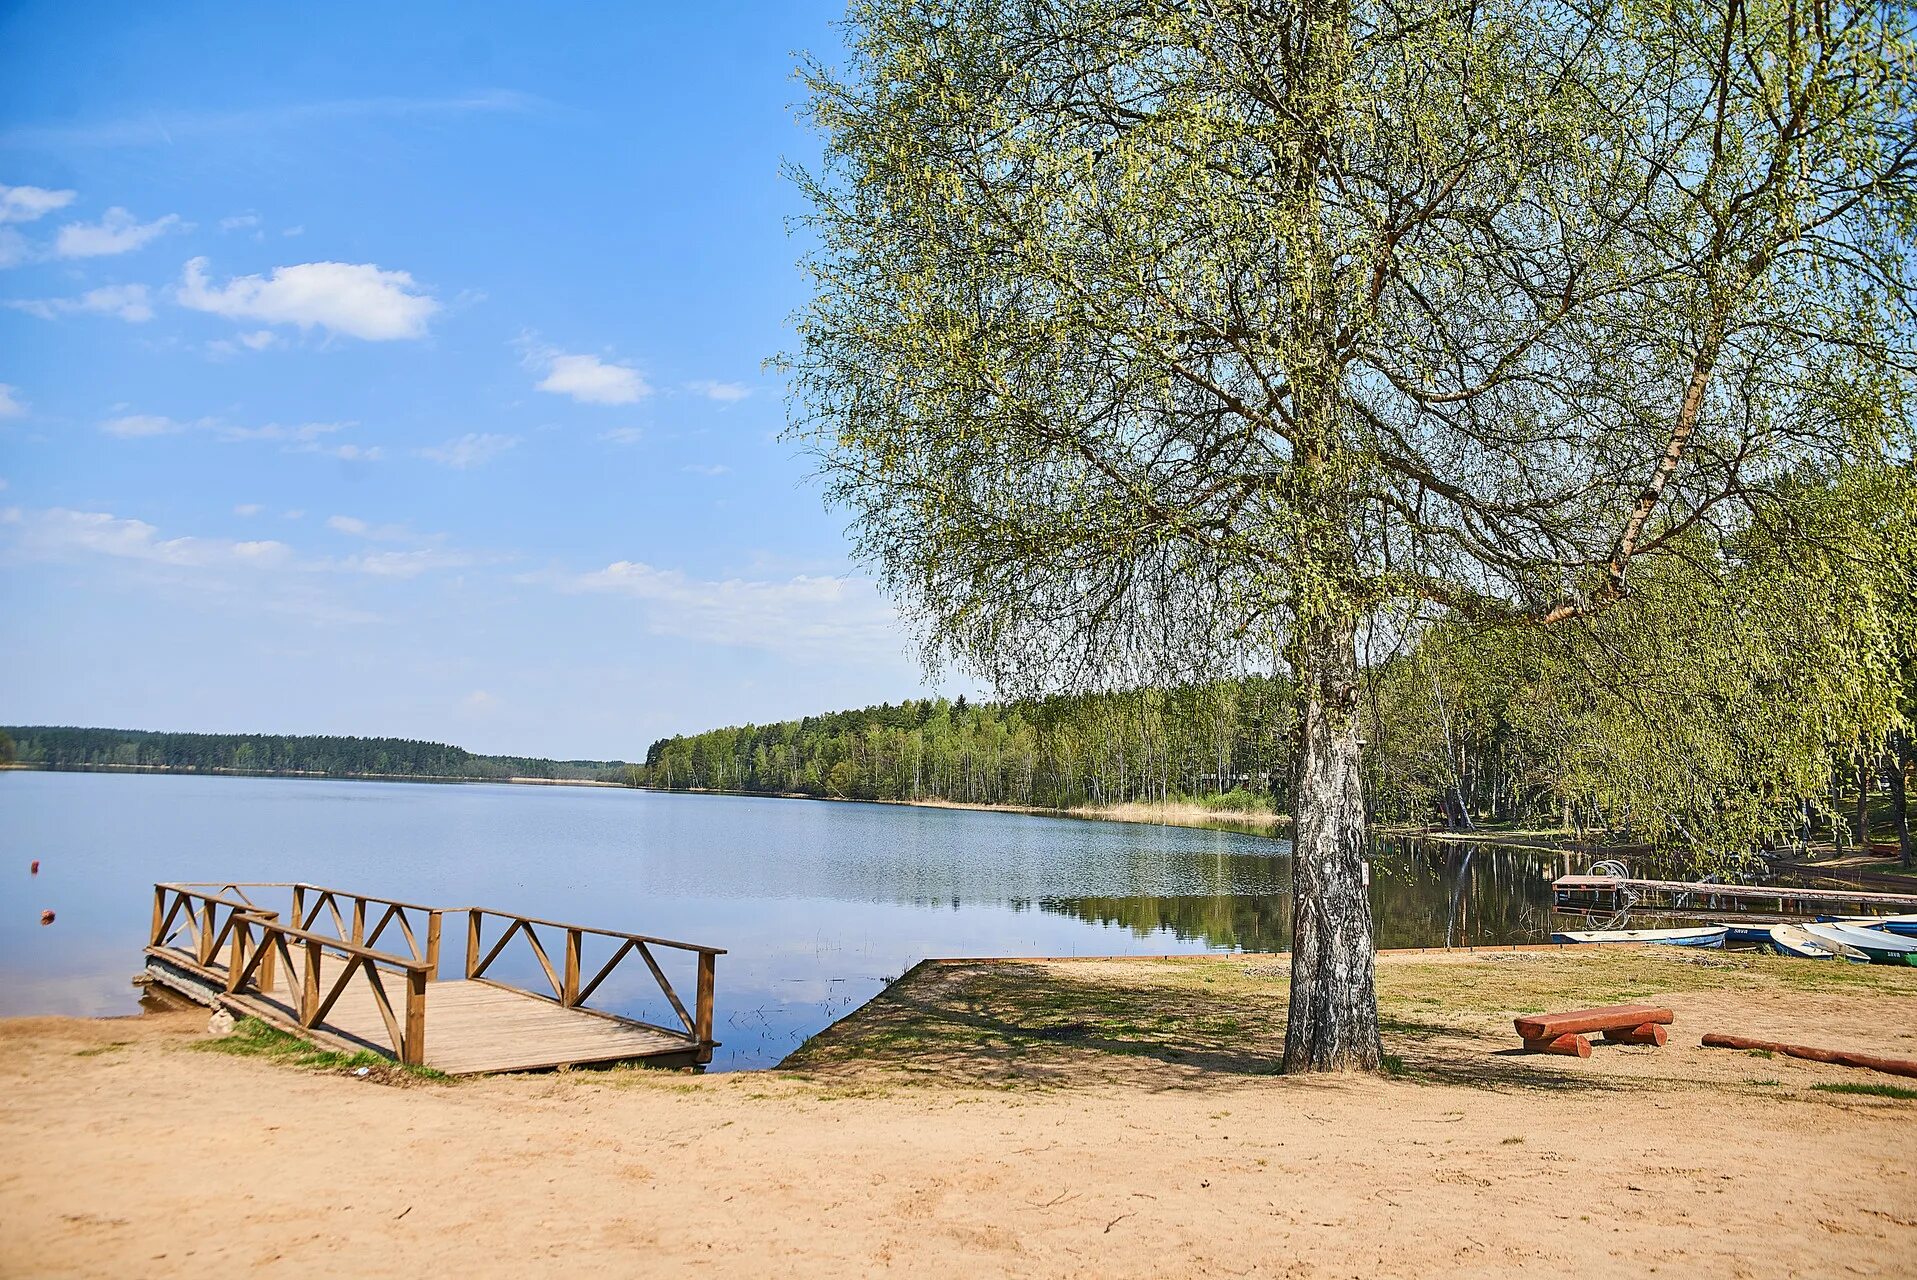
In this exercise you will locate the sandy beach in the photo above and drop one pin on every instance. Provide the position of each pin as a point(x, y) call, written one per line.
point(1007, 1120)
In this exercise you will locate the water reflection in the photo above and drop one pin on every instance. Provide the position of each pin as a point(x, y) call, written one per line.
point(1423, 894)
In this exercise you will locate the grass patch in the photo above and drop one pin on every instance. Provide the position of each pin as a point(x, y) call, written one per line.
point(1869, 1090)
point(99, 1049)
point(252, 1038)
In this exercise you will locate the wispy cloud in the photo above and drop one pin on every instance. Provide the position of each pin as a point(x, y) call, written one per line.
point(11, 405)
point(706, 469)
point(804, 615)
point(624, 435)
point(723, 392)
point(156, 128)
point(62, 534)
point(29, 204)
point(586, 378)
point(474, 449)
point(117, 231)
point(139, 426)
point(248, 509)
point(130, 302)
point(356, 299)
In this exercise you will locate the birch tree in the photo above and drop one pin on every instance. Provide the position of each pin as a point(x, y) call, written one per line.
point(1149, 338)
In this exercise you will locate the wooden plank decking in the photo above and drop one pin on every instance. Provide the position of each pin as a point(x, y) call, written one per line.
point(316, 971)
point(472, 1026)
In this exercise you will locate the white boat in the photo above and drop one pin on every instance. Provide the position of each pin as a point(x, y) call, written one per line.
point(1880, 946)
point(1791, 940)
point(1906, 926)
point(1707, 936)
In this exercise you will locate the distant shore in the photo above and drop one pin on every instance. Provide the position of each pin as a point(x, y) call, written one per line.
point(1175, 814)
point(29, 766)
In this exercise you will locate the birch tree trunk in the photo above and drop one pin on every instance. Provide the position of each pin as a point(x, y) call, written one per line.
point(1333, 1019)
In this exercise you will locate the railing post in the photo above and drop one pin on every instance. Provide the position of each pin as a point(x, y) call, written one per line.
point(205, 949)
point(268, 961)
point(299, 906)
point(432, 946)
point(359, 922)
point(310, 986)
point(159, 915)
point(412, 1051)
point(236, 954)
point(569, 994)
point(702, 1010)
point(472, 941)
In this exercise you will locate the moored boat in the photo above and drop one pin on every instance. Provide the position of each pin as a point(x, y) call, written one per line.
point(1791, 940)
point(1757, 933)
point(1880, 946)
point(1705, 936)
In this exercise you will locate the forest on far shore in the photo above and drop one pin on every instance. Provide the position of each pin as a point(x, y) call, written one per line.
point(63, 747)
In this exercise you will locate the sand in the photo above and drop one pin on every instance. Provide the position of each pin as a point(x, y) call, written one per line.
point(127, 1153)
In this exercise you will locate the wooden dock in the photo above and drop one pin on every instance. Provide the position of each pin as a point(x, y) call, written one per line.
point(319, 972)
point(1602, 895)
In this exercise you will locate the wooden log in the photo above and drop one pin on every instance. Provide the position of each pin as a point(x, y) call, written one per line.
point(702, 1004)
point(1649, 1033)
point(1837, 1057)
point(1546, 1026)
point(1570, 1044)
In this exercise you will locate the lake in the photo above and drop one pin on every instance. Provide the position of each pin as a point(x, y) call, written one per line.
point(819, 904)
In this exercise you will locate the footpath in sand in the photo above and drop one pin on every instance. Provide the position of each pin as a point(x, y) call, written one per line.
point(1094, 1118)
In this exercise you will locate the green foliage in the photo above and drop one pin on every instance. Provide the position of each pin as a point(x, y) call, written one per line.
point(1146, 745)
point(68, 747)
point(252, 1038)
point(1857, 1089)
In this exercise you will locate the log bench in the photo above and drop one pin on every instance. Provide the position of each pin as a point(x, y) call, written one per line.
point(1567, 1033)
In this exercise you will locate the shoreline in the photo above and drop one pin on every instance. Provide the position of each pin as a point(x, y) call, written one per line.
point(187, 771)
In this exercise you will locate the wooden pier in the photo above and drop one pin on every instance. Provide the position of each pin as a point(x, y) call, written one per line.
point(319, 970)
point(1605, 895)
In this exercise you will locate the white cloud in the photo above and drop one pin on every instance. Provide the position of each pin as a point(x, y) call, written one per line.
point(724, 392)
point(60, 531)
point(356, 299)
point(290, 232)
point(130, 302)
point(61, 534)
point(624, 435)
point(805, 615)
point(151, 128)
point(10, 405)
point(588, 379)
point(28, 204)
point(705, 468)
point(259, 339)
point(248, 509)
point(345, 452)
point(471, 450)
point(301, 433)
point(118, 231)
point(404, 564)
point(134, 426)
point(240, 222)
point(14, 249)
point(358, 528)
point(479, 700)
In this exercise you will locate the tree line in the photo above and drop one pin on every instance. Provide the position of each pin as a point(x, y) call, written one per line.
point(67, 747)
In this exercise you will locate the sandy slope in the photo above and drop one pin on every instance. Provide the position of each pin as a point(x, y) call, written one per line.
point(143, 1158)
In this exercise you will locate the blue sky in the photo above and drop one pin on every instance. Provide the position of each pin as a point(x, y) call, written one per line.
point(398, 369)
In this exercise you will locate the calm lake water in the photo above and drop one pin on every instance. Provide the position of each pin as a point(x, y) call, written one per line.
point(818, 904)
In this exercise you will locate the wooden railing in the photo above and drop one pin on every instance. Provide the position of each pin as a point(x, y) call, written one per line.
point(309, 900)
point(313, 906)
point(252, 961)
point(205, 914)
point(570, 988)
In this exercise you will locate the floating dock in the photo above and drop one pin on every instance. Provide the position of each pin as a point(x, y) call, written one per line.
point(318, 971)
point(1604, 895)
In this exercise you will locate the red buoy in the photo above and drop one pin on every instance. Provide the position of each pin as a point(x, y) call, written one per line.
point(35, 869)
point(46, 917)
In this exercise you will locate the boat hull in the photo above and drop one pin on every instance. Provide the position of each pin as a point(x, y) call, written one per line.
point(1707, 937)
